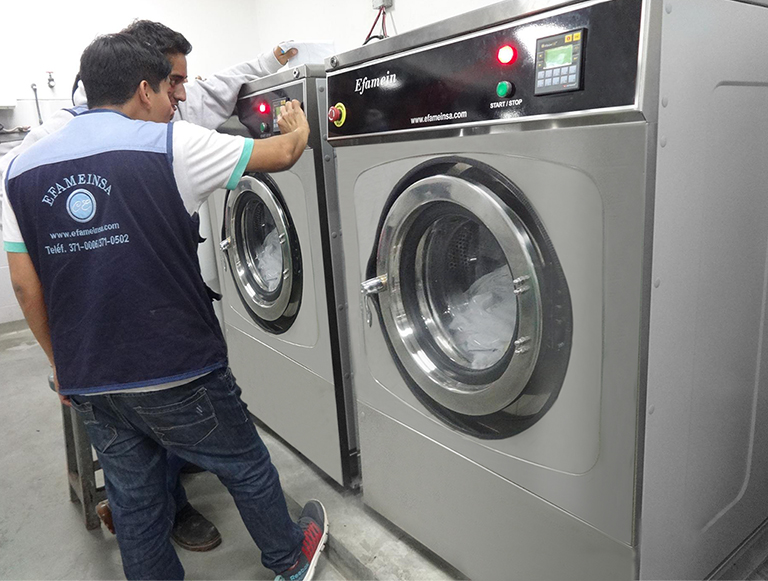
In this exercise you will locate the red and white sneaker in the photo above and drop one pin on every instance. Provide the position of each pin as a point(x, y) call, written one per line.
point(314, 523)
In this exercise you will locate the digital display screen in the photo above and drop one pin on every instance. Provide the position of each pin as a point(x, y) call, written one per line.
point(558, 57)
point(277, 107)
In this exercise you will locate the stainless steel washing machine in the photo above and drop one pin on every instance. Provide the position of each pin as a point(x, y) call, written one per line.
point(281, 280)
point(554, 217)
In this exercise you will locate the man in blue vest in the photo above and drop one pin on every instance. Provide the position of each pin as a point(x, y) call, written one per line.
point(102, 253)
point(207, 103)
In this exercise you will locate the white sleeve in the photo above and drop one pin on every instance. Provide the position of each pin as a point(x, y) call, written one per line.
point(12, 240)
point(53, 124)
point(210, 102)
point(204, 161)
point(5, 161)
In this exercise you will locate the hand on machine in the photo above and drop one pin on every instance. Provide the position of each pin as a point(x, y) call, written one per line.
point(292, 117)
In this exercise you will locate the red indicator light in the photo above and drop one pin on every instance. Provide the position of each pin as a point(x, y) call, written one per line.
point(263, 108)
point(507, 55)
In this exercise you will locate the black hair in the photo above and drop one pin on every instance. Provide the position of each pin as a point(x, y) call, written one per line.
point(113, 66)
point(167, 41)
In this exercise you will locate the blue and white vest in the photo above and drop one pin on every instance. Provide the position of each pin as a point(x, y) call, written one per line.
point(116, 251)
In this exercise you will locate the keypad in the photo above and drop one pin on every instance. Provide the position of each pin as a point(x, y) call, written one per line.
point(558, 62)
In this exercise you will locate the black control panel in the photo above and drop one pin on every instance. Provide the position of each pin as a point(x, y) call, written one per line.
point(580, 60)
point(259, 112)
point(558, 62)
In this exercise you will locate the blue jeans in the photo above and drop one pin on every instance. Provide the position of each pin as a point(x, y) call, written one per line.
point(175, 464)
point(204, 422)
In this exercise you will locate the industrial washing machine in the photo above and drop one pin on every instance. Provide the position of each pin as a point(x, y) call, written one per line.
point(554, 217)
point(282, 285)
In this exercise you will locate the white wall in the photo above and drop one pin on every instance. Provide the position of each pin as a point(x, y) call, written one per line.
point(49, 35)
point(347, 22)
point(38, 36)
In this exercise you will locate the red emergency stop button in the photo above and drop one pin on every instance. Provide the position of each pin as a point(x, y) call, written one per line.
point(337, 114)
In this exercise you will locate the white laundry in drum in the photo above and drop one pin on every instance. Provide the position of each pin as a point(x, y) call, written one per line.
point(485, 317)
point(270, 263)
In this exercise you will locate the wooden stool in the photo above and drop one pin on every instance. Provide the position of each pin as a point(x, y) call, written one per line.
point(81, 467)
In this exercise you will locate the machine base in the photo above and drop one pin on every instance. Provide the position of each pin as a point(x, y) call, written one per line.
point(451, 505)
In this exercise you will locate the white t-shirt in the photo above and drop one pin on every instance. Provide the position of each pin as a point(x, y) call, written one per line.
point(204, 161)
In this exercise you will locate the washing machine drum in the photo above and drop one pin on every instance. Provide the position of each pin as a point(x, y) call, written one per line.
point(263, 253)
point(472, 298)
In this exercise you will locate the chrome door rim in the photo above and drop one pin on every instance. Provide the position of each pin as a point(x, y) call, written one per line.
point(519, 251)
point(266, 309)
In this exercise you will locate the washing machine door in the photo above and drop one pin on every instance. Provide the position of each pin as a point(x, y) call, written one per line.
point(263, 253)
point(463, 290)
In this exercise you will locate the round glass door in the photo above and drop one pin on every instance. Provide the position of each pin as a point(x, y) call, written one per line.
point(263, 254)
point(462, 305)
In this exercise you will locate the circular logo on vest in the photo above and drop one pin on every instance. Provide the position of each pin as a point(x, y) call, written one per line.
point(81, 205)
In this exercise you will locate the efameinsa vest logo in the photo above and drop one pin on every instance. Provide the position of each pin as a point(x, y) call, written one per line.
point(81, 205)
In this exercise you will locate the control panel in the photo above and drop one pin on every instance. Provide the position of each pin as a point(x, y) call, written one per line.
point(259, 112)
point(584, 59)
point(558, 62)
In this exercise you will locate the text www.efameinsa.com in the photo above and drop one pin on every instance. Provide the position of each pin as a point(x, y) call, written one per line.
point(77, 233)
point(439, 117)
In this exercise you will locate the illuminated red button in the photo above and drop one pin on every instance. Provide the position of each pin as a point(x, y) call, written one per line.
point(506, 55)
point(263, 108)
point(334, 114)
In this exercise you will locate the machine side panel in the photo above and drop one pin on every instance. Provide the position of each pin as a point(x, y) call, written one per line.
point(705, 467)
point(335, 263)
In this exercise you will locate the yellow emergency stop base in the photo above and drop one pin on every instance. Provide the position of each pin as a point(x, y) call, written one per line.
point(343, 109)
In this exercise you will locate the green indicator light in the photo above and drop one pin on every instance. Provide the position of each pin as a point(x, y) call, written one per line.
point(264, 127)
point(504, 88)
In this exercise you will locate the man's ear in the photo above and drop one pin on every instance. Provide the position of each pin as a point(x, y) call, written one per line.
point(143, 91)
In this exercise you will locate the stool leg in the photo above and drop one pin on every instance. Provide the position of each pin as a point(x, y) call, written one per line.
point(69, 447)
point(84, 455)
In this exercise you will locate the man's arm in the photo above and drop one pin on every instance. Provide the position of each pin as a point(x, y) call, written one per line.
point(280, 152)
point(204, 160)
point(211, 102)
point(29, 294)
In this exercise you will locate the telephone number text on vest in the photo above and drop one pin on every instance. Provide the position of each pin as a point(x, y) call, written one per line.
point(102, 242)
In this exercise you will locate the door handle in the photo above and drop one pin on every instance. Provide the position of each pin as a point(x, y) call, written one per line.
point(370, 287)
